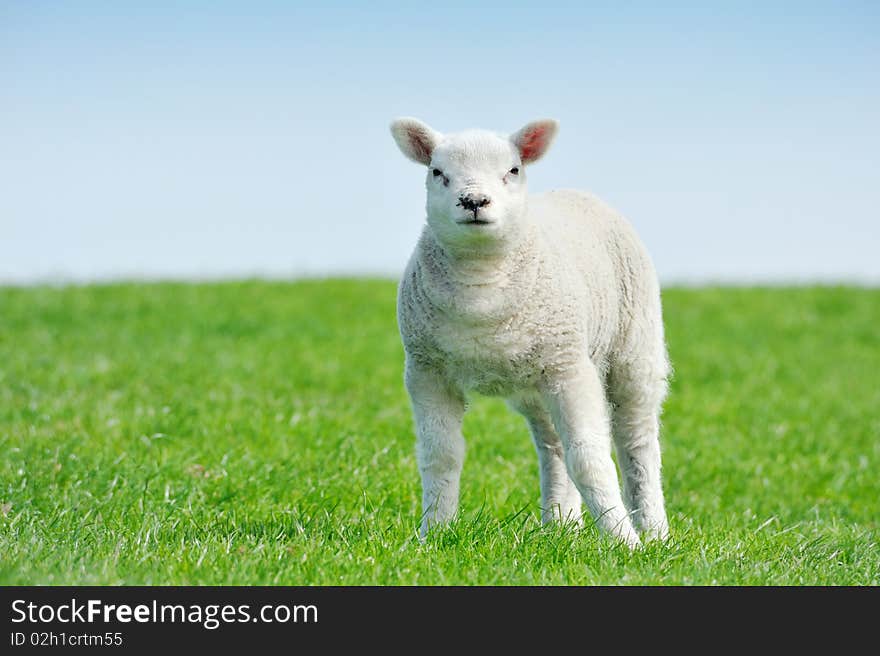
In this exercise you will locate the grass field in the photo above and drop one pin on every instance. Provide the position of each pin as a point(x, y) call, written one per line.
point(259, 433)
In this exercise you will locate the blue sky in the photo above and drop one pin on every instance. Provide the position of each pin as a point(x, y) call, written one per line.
point(196, 139)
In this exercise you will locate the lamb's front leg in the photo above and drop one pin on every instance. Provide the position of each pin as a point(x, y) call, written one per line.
point(579, 410)
point(438, 409)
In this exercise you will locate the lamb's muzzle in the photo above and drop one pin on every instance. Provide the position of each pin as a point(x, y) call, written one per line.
point(473, 203)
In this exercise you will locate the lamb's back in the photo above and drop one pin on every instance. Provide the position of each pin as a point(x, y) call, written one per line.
point(604, 260)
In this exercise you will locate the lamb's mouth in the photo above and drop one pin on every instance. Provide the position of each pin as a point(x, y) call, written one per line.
point(474, 221)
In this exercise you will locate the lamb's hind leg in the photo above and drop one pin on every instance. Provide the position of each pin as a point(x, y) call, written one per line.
point(637, 389)
point(578, 407)
point(560, 499)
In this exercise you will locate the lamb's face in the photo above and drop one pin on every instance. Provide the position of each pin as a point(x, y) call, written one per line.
point(476, 189)
point(476, 183)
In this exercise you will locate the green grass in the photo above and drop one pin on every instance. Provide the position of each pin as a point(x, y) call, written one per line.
point(259, 433)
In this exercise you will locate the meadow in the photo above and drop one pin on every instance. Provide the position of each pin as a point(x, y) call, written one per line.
point(258, 433)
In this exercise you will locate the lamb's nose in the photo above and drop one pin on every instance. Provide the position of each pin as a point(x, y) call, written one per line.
point(473, 202)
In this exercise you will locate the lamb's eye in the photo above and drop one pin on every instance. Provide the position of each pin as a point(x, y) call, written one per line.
point(437, 172)
point(515, 170)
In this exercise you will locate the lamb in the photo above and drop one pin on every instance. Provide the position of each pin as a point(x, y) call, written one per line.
point(549, 301)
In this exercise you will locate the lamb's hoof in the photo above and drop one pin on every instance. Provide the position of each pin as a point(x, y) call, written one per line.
point(633, 542)
point(658, 532)
point(629, 537)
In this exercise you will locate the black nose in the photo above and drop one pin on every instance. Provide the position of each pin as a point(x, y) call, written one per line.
point(472, 203)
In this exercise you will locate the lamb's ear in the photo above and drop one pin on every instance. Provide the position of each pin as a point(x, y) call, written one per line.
point(534, 139)
point(415, 139)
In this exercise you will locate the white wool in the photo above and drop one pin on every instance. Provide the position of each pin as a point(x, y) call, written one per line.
point(550, 301)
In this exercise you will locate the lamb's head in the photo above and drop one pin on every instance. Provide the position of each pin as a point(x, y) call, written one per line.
point(476, 180)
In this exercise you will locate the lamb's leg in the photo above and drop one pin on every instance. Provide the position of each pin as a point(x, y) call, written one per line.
point(438, 410)
point(637, 390)
point(579, 410)
point(560, 499)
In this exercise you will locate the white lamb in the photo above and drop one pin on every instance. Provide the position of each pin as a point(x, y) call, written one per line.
point(551, 302)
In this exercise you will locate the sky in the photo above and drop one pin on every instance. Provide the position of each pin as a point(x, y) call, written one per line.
point(198, 140)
